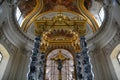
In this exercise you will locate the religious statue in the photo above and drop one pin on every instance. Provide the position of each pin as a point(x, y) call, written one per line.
point(59, 59)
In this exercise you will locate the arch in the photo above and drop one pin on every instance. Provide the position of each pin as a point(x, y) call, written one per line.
point(51, 69)
point(4, 61)
point(71, 51)
point(115, 61)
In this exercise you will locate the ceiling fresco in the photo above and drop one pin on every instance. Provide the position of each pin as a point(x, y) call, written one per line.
point(88, 4)
point(26, 6)
point(60, 4)
point(64, 5)
point(52, 6)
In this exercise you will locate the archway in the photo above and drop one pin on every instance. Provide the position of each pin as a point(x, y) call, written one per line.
point(115, 61)
point(4, 60)
point(52, 65)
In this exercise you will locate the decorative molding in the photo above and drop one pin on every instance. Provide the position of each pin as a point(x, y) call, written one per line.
point(105, 24)
point(15, 25)
point(112, 44)
point(4, 41)
point(11, 29)
point(107, 49)
point(13, 32)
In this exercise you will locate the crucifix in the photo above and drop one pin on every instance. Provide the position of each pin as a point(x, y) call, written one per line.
point(60, 59)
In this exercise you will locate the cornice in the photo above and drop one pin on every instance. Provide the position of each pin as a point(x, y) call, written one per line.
point(12, 30)
point(108, 48)
point(106, 32)
point(112, 44)
point(96, 39)
point(12, 49)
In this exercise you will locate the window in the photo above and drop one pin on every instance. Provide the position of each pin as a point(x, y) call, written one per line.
point(115, 59)
point(101, 14)
point(67, 69)
point(19, 16)
point(118, 57)
point(18, 13)
point(1, 56)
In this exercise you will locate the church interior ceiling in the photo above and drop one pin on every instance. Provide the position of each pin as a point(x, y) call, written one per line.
point(59, 23)
point(31, 10)
point(64, 4)
point(26, 6)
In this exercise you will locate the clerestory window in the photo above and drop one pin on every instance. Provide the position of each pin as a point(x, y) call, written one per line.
point(19, 16)
point(1, 56)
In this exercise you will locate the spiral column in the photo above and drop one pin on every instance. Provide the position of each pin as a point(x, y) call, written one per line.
point(85, 61)
point(78, 66)
point(41, 66)
point(37, 59)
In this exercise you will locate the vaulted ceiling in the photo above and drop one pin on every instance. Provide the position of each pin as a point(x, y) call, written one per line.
point(31, 9)
point(26, 6)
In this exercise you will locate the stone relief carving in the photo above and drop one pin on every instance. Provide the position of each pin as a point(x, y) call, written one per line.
point(113, 43)
point(110, 46)
point(3, 40)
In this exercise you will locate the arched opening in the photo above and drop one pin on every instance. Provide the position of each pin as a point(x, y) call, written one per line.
point(4, 60)
point(115, 61)
point(53, 65)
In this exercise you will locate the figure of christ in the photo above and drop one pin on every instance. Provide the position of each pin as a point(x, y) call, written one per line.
point(60, 59)
point(60, 63)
